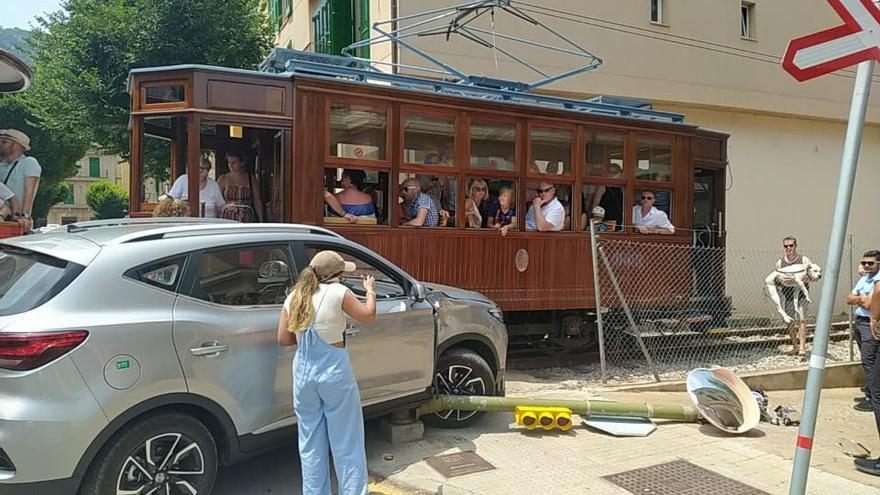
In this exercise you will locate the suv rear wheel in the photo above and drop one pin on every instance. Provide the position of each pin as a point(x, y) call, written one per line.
point(169, 453)
point(461, 372)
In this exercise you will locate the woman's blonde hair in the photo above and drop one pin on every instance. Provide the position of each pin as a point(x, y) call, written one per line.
point(301, 310)
point(477, 183)
point(170, 207)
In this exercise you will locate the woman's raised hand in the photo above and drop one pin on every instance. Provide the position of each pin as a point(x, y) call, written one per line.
point(368, 284)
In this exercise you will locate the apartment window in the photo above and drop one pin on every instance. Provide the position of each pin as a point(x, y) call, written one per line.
point(69, 198)
point(747, 20)
point(657, 11)
point(333, 26)
point(288, 8)
point(275, 14)
point(94, 166)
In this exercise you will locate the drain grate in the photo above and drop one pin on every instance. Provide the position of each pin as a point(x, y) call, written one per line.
point(679, 478)
point(459, 464)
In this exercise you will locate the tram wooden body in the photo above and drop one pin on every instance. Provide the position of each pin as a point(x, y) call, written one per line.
point(301, 130)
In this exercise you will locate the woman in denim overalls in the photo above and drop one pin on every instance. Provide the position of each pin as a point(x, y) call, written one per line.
point(325, 393)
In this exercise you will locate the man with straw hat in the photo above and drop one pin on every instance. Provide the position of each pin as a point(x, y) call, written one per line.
point(19, 172)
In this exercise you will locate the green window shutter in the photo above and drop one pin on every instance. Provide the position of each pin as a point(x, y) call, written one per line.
point(364, 25)
point(321, 27)
point(288, 8)
point(341, 25)
point(94, 166)
point(69, 199)
point(277, 15)
point(272, 20)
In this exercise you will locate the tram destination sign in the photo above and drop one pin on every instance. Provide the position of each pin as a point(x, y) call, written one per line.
point(855, 41)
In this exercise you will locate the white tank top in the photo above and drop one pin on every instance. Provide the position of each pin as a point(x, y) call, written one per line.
point(330, 320)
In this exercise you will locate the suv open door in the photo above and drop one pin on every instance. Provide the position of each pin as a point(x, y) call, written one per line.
point(15, 75)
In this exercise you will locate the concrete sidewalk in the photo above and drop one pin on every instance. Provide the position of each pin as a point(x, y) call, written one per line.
point(575, 461)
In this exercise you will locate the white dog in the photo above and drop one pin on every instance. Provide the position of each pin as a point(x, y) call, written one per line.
point(792, 276)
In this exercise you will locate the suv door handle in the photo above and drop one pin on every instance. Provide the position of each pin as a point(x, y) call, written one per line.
point(352, 329)
point(209, 349)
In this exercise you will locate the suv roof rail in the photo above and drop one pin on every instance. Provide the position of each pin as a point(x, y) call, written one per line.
point(176, 231)
point(116, 222)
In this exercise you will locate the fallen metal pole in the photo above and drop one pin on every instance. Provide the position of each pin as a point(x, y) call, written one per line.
point(584, 408)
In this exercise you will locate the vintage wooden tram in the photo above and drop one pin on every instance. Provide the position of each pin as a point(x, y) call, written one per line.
point(303, 127)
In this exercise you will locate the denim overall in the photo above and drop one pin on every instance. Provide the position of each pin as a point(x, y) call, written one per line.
point(329, 417)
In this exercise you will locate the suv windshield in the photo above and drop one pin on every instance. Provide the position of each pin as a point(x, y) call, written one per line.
point(29, 279)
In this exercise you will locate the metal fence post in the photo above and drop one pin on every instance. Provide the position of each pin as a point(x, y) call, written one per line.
point(818, 355)
point(598, 297)
point(632, 322)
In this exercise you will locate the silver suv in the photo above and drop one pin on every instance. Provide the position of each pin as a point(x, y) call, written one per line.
point(140, 354)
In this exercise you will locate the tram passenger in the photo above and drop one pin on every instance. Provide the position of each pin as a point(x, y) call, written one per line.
point(597, 217)
point(241, 190)
point(546, 213)
point(351, 203)
point(211, 200)
point(418, 208)
point(647, 218)
point(502, 215)
point(475, 204)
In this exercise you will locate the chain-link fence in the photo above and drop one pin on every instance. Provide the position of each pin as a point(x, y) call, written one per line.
point(668, 308)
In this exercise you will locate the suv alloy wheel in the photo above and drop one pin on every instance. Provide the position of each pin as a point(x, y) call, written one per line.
point(461, 372)
point(167, 454)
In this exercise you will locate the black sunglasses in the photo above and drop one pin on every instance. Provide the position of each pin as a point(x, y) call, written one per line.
point(544, 190)
point(868, 263)
point(788, 245)
point(647, 197)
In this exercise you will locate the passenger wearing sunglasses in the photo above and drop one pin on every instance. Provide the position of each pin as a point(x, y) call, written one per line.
point(419, 208)
point(546, 213)
point(648, 219)
point(211, 200)
point(792, 257)
point(861, 299)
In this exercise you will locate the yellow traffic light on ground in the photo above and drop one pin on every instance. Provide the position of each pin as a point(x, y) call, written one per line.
point(547, 418)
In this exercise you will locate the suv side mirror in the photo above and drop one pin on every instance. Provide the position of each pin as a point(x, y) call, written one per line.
point(418, 292)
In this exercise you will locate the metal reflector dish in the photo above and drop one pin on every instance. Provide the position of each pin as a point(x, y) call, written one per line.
point(723, 399)
point(15, 75)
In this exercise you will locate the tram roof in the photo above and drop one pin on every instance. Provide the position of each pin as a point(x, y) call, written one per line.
point(285, 64)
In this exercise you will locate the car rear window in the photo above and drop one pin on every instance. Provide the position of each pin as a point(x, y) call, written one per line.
point(29, 279)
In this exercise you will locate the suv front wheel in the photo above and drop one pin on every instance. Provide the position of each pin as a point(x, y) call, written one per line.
point(169, 453)
point(460, 372)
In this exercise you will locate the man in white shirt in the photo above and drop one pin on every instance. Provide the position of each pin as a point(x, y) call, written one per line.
point(19, 172)
point(648, 219)
point(546, 213)
point(211, 200)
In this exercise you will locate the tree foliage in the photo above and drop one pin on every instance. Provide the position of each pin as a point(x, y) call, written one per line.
point(107, 200)
point(56, 153)
point(84, 52)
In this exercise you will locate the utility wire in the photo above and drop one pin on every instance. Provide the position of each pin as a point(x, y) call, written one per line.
point(667, 37)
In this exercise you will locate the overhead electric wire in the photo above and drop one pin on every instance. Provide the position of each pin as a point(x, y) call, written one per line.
point(665, 37)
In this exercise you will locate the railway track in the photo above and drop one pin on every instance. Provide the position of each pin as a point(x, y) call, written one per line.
point(661, 345)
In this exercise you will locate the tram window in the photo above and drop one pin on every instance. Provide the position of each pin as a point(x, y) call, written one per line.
point(610, 198)
point(429, 140)
point(604, 155)
point(496, 207)
point(442, 191)
point(662, 200)
point(154, 95)
point(550, 150)
point(548, 192)
point(354, 196)
point(493, 145)
point(654, 159)
point(357, 131)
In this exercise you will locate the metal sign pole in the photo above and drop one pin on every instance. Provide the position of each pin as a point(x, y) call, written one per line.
point(851, 145)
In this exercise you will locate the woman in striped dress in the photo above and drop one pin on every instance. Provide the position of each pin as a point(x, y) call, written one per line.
point(241, 190)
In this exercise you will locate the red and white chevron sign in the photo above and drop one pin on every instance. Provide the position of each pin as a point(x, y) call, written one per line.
point(857, 40)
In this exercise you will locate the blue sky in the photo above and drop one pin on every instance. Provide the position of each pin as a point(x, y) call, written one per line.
point(19, 13)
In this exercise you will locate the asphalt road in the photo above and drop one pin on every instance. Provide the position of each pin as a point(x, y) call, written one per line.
point(275, 472)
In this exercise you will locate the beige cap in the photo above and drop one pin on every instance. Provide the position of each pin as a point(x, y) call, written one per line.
point(17, 136)
point(329, 264)
point(598, 211)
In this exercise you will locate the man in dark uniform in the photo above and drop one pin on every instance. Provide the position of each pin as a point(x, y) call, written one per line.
point(872, 466)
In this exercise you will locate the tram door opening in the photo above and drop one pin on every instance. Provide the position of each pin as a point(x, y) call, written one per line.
point(709, 235)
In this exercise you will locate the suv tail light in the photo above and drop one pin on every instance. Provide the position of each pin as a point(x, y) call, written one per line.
point(26, 351)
